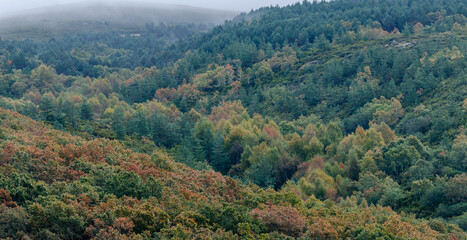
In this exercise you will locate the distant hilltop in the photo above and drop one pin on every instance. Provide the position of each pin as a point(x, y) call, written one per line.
point(100, 17)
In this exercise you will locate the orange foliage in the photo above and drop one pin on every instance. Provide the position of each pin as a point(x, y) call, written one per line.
point(283, 219)
point(231, 111)
point(6, 199)
point(188, 91)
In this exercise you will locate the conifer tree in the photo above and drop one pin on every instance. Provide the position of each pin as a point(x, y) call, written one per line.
point(158, 129)
point(118, 123)
point(86, 111)
point(262, 173)
point(219, 159)
point(47, 108)
point(141, 123)
point(353, 165)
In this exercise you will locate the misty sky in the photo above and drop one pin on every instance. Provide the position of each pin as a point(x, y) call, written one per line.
point(8, 6)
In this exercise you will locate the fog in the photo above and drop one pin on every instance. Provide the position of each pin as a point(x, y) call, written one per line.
point(13, 6)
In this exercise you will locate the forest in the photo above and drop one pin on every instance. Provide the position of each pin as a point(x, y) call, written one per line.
point(318, 120)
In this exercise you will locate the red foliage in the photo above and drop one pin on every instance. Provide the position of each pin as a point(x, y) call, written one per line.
point(279, 218)
point(302, 168)
point(342, 166)
point(322, 229)
point(165, 94)
point(227, 111)
point(123, 224)
point(188, 91)
point(317, 162)
point(271, 132)
point(235, 87)
point(6, 199)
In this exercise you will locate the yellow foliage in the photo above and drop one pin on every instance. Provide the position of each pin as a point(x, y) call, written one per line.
point(451, 54)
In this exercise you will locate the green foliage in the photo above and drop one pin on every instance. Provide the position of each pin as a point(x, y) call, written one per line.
point(100, 189)
point(322, 100)
point(13, 222)
point(458, 155)
point(118, 122)
point(219, 159)
point(122, 183)
point(261, 173)
point(86, 111)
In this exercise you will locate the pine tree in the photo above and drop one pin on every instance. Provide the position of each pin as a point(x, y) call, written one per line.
point(47, 108)
point(141, 124)
point(59, 114)
point(88, 128)
point(2, 133)
point(262, 173)
point(158, 129)
point(86, 111)
point(219, 160)
point(198, 151)
point(73, 115)
point(204, 133)
point(57, 125)
point(183, 105)
point(185, 127)
point(322, 43)
point(353, 165)
point(163, 132)
point(118, 123)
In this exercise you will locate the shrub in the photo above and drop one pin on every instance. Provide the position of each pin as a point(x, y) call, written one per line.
point(283, 219)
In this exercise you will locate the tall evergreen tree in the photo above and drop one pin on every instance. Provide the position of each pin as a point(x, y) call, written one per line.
point(118, 122)
point(219, 160)
point(86, 111)
point(47, 108)
point(141, 123)
point(262, 173)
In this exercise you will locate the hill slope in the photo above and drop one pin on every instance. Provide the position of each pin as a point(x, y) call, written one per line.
point(54, 185)
point(350, 102)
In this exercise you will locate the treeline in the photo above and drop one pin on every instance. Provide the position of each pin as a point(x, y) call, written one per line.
point(85, 53)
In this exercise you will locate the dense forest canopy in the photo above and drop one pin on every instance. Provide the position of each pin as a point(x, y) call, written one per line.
point(319, 120)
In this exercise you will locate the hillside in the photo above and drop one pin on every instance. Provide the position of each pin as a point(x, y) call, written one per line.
point(55, 185)
point(341, 112)
point(122, 17)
